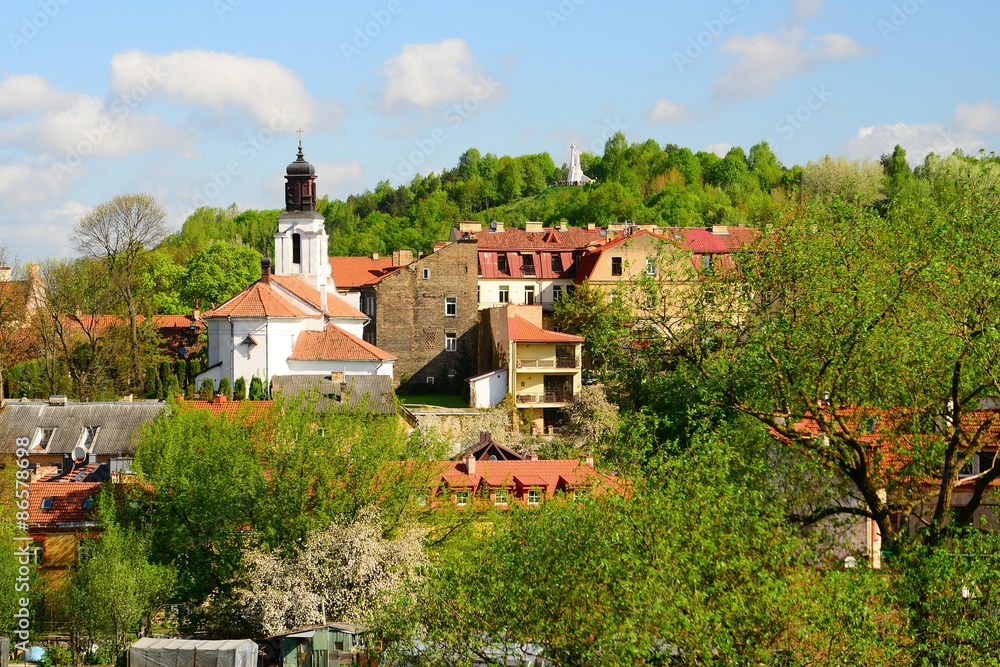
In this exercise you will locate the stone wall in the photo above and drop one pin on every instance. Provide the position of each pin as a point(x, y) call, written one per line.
point(412, 323)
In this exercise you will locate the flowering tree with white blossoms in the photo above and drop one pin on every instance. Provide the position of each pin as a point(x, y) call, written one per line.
point(351, 569)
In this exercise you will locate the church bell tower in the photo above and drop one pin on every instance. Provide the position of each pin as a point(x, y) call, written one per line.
point(301, 244)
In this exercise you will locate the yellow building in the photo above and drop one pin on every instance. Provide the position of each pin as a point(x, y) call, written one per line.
point(544, 370)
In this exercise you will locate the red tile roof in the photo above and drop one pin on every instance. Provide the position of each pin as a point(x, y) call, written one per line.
point(258, 300)
point(353, 272)
point(521, 330)
point(518, 239)
point(67, 502)
point(549, 476)
point(335, 306)
point(335, 344)
point(251, 411)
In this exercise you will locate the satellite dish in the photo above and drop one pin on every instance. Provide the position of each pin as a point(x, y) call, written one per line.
point(80, 454)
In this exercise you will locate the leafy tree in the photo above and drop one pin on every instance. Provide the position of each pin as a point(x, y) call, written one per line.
point(224, 387)
point(217, 273)
point(207, 391)
point(116, 590)
point(590, 416)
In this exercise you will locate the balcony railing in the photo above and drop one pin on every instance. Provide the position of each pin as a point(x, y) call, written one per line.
point(547, 397)
point(558, 362)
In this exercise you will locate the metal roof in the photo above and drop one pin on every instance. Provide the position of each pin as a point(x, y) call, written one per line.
point(118, 424)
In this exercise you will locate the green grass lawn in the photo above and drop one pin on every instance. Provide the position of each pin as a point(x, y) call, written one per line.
point(440, 400)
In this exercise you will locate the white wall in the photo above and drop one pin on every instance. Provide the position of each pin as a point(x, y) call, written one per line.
point(487, 391)
point(346, 367)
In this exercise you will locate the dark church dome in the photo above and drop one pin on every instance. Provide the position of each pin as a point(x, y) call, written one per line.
point(300, 167)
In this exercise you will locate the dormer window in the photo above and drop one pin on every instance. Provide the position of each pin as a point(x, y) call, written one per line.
point(43, 436)
point(88, 437)
point(88, 502)
point(534, 497)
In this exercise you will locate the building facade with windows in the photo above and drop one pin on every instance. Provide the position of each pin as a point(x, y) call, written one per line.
point(544, 368)
point(531, 266)
point(427, 317)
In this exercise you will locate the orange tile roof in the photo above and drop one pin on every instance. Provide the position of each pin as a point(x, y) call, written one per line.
point(521, 330)
point(335, 344)
point(258, 300)
point(67, 502)
point(353, 272)
point(250, 411)
point(550, 476)
point(335, 306)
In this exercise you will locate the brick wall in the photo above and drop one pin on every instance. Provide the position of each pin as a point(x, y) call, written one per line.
point(412, 324)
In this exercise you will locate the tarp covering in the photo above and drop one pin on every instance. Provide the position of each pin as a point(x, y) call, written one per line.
point(150, 652)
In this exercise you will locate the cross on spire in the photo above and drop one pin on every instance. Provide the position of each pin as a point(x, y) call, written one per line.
point(299, 132)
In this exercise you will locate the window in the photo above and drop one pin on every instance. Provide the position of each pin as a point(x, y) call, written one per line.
point(529, 295)
point(426, 274)
point(502, 262)
point(461, 498)
point(451, 342)
point(88, 502)
point(504, 293)
point(89, 433)
point(650, 266)
point(706, 261)
point(500, 497)
point(43, 436)
point(570, 290)
point(47, 503)
point(556, 263)
point(528, 264)
point(450, 306)
point(616, 266)
point(429, 379)
point(296, 249)
point(556, 292)
point(534, 497)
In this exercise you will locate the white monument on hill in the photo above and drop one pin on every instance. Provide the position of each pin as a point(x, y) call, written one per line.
point(576, 175)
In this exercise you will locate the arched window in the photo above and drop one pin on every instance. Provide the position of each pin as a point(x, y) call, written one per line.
point(296, 249)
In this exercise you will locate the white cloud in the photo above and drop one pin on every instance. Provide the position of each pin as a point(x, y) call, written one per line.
point(807, 8)
point(30, 93)
point(766, 59)
point(423, 75)
point(90, 126)
point(917, 139)
point(719, 149)
point(665, 111)
point(339, 178)
point(218, 81)
point(982, 117)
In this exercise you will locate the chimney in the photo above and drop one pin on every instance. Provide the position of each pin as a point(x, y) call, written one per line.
point(322, 297)
point(589, 460)
point(719, 230)
point(533, 226)
point(470, 226)
point(58, 399)
point(498, 226)
point(563, 226)
point(5, 272)
point(484, 437)
point(220, 398)
point(402, 257)
point(470, 464)
point(591, 226)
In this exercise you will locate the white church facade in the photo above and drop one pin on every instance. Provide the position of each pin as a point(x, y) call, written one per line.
point(292, 321)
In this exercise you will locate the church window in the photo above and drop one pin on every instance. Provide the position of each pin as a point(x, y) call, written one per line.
point(296, 249)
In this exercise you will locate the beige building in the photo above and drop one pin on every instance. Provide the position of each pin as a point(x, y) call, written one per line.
point(544, 371)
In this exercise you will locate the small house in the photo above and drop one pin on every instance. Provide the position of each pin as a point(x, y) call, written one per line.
point(322, 645)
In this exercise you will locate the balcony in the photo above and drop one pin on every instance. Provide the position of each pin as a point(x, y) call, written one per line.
point(547, 398)
point(557, 363)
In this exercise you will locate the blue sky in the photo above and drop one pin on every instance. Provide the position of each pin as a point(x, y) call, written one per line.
point(198, 101)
